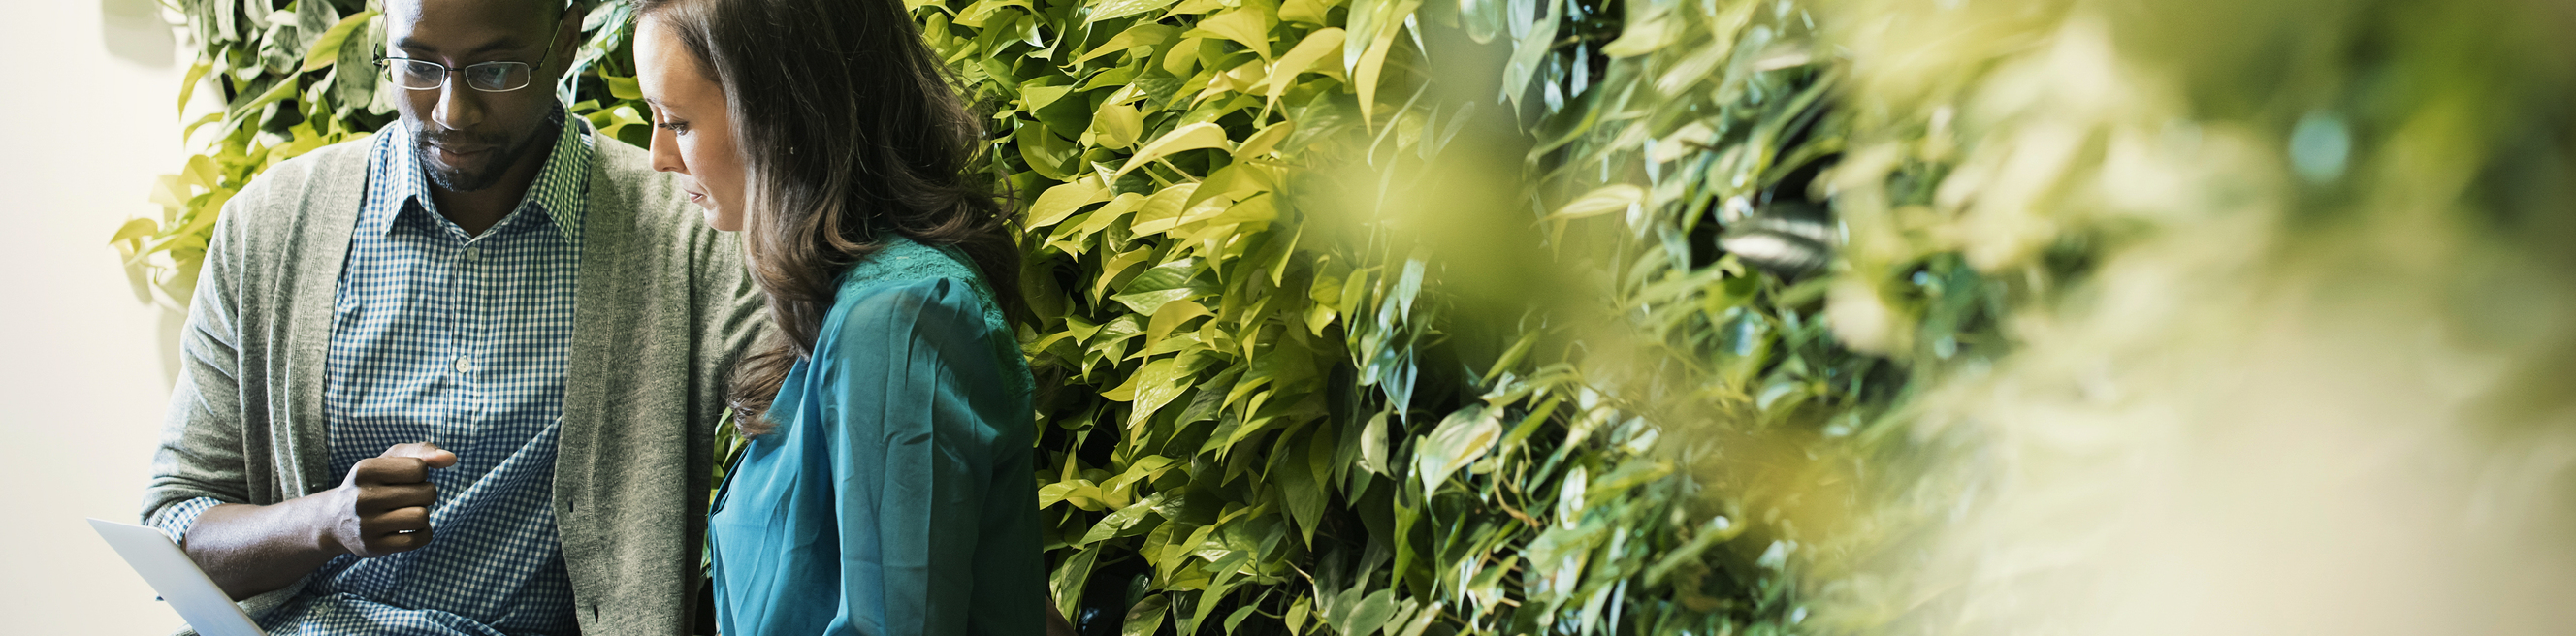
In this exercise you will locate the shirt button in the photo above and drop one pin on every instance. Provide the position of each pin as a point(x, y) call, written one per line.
point(473, 254)
point(463, 365)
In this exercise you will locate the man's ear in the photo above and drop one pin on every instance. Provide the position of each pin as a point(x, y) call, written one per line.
point(570, 28)
point(567, 39)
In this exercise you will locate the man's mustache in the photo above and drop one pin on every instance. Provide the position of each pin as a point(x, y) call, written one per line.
point(455, 138)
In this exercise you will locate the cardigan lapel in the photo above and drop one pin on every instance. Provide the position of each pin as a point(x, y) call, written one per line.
point(600, 291)
point(329, 216)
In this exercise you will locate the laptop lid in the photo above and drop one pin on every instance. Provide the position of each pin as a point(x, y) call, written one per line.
point(177, 579)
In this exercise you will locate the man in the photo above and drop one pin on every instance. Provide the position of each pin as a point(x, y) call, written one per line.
point(459, 378)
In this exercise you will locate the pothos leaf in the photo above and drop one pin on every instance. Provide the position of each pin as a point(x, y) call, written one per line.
point(1146, 617)
point(1190, 137)
point(1371, 614)
point(1323, 44)
point(1112, 9)
point(1063, 200)
point(326, 51)
point(1461, 438)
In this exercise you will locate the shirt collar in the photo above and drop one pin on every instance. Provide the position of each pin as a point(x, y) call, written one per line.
point(558, 193)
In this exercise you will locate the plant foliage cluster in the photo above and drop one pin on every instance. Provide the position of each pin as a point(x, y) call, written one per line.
point(1424, 317)
point(1356, 317)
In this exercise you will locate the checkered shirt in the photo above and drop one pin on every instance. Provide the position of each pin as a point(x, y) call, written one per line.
point(461, 341)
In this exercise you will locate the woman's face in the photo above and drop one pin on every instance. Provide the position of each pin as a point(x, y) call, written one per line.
point(692, 132)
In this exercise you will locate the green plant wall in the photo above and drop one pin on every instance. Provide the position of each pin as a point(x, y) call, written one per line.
point(1355, 317)
point(1427, 317)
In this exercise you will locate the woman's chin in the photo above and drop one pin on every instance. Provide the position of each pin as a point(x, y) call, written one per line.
point(719, 220)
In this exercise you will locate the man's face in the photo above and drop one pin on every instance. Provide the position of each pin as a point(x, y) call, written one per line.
point(467, 138)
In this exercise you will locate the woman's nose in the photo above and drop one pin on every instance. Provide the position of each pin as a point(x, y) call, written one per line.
point(665, 149)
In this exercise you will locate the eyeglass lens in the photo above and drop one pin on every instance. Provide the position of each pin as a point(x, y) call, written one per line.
point(488, 76)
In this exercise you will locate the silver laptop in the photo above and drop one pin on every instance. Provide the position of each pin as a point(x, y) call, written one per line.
point(177, 579)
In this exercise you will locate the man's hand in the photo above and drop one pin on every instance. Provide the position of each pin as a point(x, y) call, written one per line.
point(383, 506)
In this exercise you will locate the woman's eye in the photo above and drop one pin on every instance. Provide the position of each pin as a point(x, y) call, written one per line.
point(674, 126)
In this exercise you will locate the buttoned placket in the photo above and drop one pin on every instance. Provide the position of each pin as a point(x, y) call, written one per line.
point(470, 278)
point(463, 315)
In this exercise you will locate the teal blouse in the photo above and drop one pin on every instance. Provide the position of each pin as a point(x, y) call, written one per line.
point(896, 496)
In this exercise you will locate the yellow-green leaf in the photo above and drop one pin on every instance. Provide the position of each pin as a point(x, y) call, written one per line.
point(1036, 97)
point(1247, 27)
point(1462, 437)
point(1422, 621)
point(1320, 45)
point(1118, 207)
point(170, 191)
point(325, 51)
point(1297, 614)
point(1163, 210)
point(135, 229)
point(188, 87)
point(1116, 522)
point(1232, 183)
point(1147, 34)
point(1123, 8)
point(1372, 62)
point(1647, 31)
point(1190, 137)
point(281, 90)
point(1261, 143)
point(1161, 381)
point(1171, 316)
point(1305, 11)
point(1071, 578)
point(1062, 201)
point(1605, 200)
point(1199, 7)
point(976, 15)
point(1126, 392)
point(1372, 613)
point(1146, 617)
point(1257, 209)
point(1241, 78)
point(1117, 125)
point(1046, 152)
point(622, 87)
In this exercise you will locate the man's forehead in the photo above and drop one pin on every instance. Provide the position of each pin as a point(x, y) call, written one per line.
point(480, 15)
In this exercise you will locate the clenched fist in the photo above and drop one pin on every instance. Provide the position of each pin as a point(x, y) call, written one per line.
point(383, 506)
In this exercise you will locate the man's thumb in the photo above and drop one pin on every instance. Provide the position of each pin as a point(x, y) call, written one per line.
point(426, 452)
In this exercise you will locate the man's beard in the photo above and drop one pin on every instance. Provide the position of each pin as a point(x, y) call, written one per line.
point(462, 180)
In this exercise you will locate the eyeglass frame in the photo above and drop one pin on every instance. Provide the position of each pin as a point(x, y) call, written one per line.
point(446, 73)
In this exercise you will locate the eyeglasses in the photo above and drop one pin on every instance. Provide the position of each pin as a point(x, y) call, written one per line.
point(489, 77)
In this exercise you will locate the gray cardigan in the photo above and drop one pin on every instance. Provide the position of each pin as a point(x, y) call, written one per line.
point(663, 305)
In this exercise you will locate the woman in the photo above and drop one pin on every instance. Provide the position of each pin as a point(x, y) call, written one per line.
point(887, 487)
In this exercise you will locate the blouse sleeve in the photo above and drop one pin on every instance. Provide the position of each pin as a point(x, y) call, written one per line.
point(921, 458)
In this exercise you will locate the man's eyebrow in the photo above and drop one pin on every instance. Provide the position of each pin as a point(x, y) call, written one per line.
point(504, 44)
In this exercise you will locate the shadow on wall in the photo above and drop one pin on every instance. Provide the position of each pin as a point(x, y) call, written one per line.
point(134, 31)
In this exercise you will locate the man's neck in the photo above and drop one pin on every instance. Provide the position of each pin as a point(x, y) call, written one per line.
point(479, 210)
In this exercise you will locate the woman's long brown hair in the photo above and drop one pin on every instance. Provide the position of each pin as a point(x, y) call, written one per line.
point(849, 130)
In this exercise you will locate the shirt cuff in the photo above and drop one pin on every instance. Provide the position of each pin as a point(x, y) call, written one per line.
point(179, 517)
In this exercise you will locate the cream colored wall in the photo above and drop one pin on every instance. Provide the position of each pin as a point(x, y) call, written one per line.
point(86, 120)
